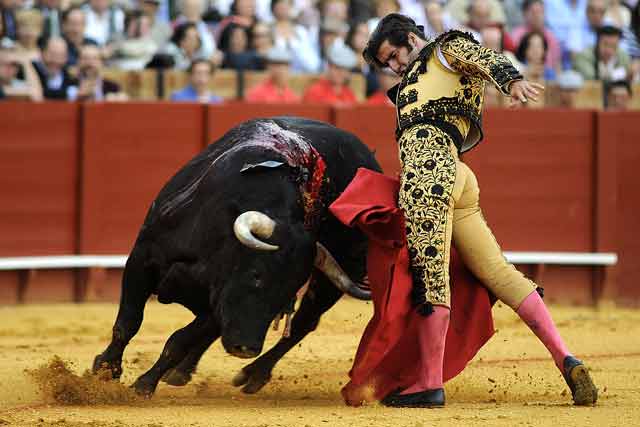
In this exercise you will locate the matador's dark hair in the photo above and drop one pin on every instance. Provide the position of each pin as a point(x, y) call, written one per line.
point(395, 28)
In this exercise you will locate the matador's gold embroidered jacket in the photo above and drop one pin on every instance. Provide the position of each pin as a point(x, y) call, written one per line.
point(444, 86)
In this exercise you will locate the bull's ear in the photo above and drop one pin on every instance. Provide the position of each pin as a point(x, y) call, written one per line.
point(257, 167)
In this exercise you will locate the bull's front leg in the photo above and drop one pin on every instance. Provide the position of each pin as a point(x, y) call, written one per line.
point(319, 298)
point(203, 328)
point(182, 373)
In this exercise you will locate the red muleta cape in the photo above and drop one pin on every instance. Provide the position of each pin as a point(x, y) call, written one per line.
point(388, 356)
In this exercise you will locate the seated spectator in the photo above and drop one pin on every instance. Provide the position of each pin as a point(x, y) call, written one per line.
point(569, 84)
point(134, 52)
point(104, 23)
point(493, 38)
point(10, 86)
point(236, 50)
point(357, 41)
point(584, 36)
point(242, 14)
point(565, 18)
point(262, 39)
point(184, 46)
point(295, 38)
point(160, 31)
point(459, 10)
point(275, 89)
point(200, 73)
point(479, 17)
point(617, 95)
point(191, 11)
point(73, 25)
point(438, 20)
point(386, 79)
point(534, 21)
point(52, 70)
point(331, 32)
point(52, 14)
point(91, 85)
point(334, 88)
point(30, 25)
point(531, 53)
point(618, 14)
point(607, 61)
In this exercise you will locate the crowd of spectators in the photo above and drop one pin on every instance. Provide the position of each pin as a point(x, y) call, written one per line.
point(58, 49)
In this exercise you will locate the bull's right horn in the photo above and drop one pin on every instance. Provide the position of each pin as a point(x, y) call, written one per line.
point(326, 263)
point(251, 224)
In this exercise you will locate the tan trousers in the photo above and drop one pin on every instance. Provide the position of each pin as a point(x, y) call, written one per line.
point(441, 201)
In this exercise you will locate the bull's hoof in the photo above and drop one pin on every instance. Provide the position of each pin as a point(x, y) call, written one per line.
point(176, 378)
point(106, 370)
point(252, 380)
point(143, 388)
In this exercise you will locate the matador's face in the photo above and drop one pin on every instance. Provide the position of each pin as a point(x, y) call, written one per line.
point(398, 58)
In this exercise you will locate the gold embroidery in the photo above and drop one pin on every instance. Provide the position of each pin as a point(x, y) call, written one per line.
point(428, 177)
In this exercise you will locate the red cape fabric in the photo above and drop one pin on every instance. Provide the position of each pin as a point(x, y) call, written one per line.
point(388, 356)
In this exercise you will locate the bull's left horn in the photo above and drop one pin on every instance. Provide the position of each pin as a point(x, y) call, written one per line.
point(326, 263)
point(251, 224)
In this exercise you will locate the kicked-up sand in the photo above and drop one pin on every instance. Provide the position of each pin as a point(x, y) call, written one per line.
point(46, 349)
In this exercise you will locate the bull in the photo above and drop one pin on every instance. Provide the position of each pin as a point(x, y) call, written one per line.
point(233, 237)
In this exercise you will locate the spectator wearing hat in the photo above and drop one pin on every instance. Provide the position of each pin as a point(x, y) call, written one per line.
point(275, 89)
point(607, 61)
point(334, 88)
point(200, 74)
point(617, 95)
point(569, 84)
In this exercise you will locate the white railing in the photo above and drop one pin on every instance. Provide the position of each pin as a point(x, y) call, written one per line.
point(119, 261)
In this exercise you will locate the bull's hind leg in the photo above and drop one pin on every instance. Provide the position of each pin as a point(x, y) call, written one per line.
point(136, 289)
point(181, 374)
point(320, 297)
point(175, 350)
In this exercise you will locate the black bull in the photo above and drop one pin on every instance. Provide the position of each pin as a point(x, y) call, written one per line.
point(233, 236)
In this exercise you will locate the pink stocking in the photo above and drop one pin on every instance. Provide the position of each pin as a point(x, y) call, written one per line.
point(432, 334)
point(537, 317)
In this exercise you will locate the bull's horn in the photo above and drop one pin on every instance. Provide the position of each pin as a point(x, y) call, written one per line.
point(251, 224)
point(326, 263)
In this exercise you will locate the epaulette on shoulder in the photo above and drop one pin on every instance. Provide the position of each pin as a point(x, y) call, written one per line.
point(452, 34)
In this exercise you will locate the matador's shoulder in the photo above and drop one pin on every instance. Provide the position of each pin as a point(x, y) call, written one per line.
point(452, 35)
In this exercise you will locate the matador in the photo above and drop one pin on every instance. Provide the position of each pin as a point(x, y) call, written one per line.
point(439, 108)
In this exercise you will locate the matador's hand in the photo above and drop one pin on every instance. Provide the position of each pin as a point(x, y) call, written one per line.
point(523, 90)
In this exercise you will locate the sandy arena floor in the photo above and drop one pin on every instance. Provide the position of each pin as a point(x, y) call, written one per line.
point(305, 389)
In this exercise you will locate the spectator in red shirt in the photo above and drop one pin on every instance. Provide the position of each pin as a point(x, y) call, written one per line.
point(334, 88)
point(275, 88)
point(387, 79)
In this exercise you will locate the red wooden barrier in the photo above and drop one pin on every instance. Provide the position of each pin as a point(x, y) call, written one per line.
point(38, 193)
point(619, 132)
point(39, 163)
point(375, 126)
point(221, 118)
point(129, 152)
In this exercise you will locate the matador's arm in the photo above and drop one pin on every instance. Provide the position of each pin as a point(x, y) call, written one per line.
point(465, 55)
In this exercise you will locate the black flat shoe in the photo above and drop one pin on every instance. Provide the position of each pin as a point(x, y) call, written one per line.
point(583, 390)
point(422, 399)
